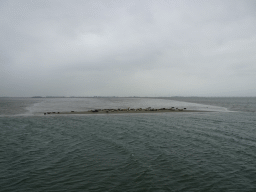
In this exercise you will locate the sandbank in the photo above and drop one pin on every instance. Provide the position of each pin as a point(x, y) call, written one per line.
point(127, 110)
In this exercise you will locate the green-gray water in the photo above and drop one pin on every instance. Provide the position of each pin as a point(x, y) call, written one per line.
point(126, 152)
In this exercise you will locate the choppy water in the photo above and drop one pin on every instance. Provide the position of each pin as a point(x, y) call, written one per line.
point(127, 152)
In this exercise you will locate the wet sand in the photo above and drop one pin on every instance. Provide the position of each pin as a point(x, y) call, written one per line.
point(121, 111)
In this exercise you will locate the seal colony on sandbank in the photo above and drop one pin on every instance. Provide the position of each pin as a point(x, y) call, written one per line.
point(127, 110)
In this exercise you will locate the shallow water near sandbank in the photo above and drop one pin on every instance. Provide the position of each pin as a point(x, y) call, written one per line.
point(119, 152)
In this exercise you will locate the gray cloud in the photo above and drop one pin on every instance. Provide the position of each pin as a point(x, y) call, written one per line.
point(125, 48)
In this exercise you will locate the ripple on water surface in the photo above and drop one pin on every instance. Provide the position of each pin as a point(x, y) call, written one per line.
point(145, 152)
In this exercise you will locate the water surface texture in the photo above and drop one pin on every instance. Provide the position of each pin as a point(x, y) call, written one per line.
point(199, 151)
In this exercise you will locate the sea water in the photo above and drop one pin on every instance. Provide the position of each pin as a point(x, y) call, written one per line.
point(201, 151)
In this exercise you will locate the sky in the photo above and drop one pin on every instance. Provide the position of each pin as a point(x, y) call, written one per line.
point(128, 48)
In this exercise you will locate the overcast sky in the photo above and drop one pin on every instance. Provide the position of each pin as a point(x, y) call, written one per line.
point(127, 48)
